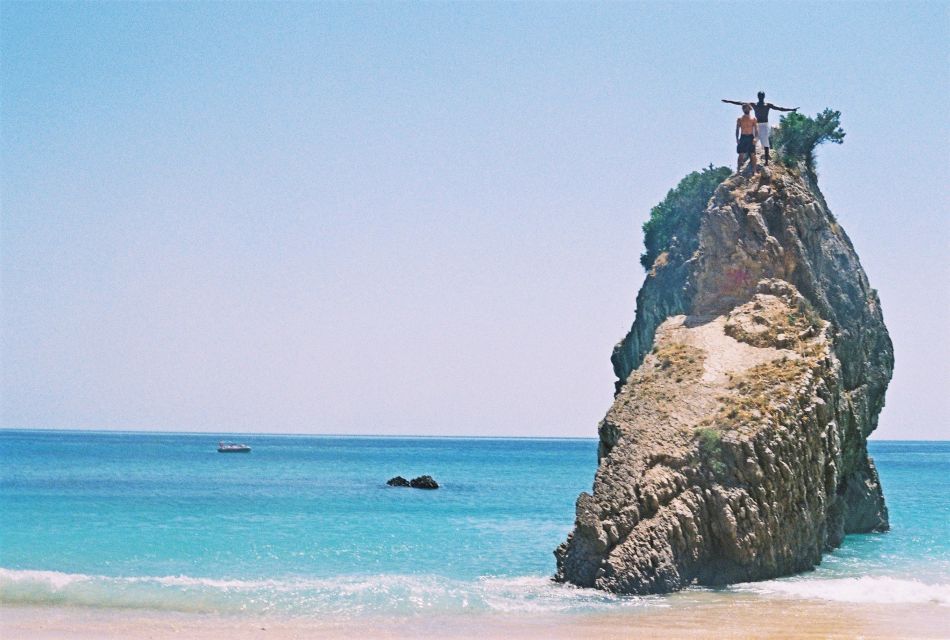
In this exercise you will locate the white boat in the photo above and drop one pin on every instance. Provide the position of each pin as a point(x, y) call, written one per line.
point(232, 447)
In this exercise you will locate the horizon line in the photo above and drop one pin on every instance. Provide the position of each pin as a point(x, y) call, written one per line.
point(354, 435)
point(291, 435)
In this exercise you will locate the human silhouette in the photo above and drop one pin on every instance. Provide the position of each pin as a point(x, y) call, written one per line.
point(762, 109)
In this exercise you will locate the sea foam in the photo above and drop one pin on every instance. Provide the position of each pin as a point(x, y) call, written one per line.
point(342, 595)
point(864, 589)
point(350, 596)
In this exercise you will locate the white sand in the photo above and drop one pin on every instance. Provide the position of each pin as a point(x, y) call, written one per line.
point(727, 618)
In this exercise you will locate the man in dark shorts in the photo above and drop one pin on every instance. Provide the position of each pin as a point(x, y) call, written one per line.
point(746, 131)
point(761, 109)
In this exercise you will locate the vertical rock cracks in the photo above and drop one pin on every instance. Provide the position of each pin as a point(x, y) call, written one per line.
point(736, 446)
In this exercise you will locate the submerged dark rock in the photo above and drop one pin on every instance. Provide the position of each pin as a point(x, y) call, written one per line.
point(398, 481)
point(736, 446)
point(423, 482)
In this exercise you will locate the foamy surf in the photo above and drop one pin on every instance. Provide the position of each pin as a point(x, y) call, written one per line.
point(345, 595)
point(865, 590)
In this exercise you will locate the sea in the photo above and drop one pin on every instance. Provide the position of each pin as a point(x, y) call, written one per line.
point(306, 526)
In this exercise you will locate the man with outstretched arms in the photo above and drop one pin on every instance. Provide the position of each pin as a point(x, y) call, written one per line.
point(745, 137)
point(762, 117)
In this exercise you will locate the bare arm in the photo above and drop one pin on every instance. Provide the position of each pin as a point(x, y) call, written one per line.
point(772, 106)
point(737, 130)
point(755, 129)
point(734, 102)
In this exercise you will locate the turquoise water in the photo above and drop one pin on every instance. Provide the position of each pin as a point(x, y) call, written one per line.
point(306, 524)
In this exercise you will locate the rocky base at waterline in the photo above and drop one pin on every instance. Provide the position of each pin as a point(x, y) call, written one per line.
point(736, 446)
point(422, 482)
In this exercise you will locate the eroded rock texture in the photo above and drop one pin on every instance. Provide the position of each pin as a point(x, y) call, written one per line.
point(736, 447)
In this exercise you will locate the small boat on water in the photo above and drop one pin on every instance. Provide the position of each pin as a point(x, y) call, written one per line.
point(231, 447)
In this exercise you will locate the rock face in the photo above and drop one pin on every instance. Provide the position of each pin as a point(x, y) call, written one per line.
point(736, 447)
point(423, 482)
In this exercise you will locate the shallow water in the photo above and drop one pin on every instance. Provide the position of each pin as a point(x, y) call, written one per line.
point(306, 525)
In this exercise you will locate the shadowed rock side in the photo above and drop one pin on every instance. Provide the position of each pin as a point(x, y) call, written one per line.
point(736, 447)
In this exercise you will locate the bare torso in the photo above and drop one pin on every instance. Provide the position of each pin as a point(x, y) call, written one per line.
point(762, 110)
point(746, 124)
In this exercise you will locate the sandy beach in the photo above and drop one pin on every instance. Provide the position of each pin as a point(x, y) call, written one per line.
point(733, 617)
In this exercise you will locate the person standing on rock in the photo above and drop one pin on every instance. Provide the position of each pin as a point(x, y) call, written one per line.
point(762, 109)
point(745, 137)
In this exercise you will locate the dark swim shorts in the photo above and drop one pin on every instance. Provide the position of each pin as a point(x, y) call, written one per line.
point(746, 144)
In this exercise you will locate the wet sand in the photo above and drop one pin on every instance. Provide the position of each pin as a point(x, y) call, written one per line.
point(732, 617)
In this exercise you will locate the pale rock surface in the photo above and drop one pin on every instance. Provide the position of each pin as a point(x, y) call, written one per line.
point(736, 447)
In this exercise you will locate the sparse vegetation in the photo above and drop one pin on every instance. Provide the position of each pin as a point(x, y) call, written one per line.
point(802, 319)
point(681, 361)
point(798, 135)
point(676, 219)
point(774, 326)
point(710, 448)
point(709, 438)
point(757, 389)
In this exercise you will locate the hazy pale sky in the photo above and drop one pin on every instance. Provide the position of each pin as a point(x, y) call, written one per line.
point(419, 218)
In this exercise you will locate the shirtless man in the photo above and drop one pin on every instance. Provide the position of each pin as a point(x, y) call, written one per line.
point(762, 116)
point(745, 137)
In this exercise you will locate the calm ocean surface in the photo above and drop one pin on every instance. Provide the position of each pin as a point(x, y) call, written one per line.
point(306, 525)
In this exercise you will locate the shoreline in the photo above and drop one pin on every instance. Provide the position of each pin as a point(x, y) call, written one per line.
point(734, 617)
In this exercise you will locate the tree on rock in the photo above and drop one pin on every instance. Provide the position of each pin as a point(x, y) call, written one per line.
point(676, 219)
point(798, 135)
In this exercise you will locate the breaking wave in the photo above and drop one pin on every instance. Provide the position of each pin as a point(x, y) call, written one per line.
point(345, 596)
point(864, 589)
point(351, 596)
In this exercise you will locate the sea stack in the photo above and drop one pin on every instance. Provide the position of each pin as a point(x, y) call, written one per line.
point(756, 367)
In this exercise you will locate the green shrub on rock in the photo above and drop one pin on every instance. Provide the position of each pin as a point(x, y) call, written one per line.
point(710, 447)
point(677, 217)
point(798, 135)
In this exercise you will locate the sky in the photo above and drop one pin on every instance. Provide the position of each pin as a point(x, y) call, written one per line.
point(419, 218)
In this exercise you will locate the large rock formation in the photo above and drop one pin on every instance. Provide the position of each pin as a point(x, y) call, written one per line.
point(736, 447)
